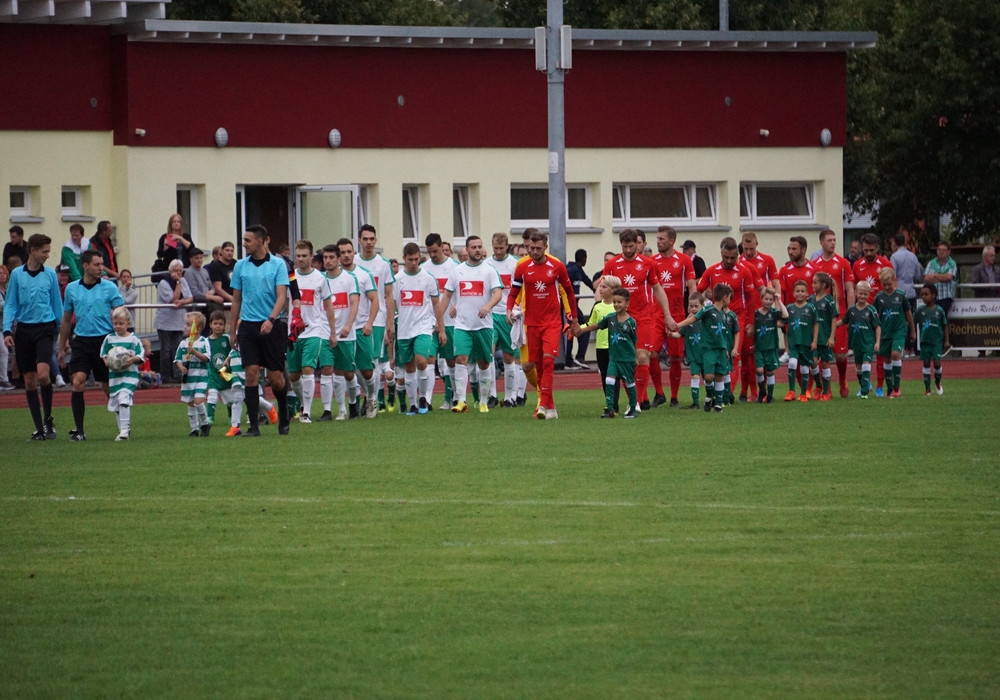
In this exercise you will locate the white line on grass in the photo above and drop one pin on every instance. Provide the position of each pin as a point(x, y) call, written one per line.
point(529, 503)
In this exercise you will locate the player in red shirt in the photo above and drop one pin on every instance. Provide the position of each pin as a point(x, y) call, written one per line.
point(639, 276)
point(540, 276)
point(768, 271)
point(867, 268)
point(745, 283)
point(676, 274)
point(839, 269)
point(797, 268)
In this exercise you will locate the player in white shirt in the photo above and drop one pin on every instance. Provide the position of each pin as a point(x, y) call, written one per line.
point(419, 319)
point(514, 381)
point(476, 288)
point(345, 298)
point(307, 354)
point(383, 329)
point(440, 265)
point(365, 357)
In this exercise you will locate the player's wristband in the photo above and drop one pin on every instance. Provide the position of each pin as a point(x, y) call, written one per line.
point(273, 320)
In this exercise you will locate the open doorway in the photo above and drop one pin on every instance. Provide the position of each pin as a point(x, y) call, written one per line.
point(266, 205)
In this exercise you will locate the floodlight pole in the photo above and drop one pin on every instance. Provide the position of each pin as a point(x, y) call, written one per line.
point(557, 62)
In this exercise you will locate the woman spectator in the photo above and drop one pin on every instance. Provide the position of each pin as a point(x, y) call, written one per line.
point(129, 293)
point(169, 320)
point(5, 384)
point(173, 245)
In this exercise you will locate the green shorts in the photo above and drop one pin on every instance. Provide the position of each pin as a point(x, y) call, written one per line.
point(501, 332)
point(802, 353)
point(305, 353)
point(893, 343)
point(624, 370)
point(408, 349)
point(695, 364)
point(379, 347)
point(477, 345)
point(863, 355)
point(766, 360)
point(326, 354)
point(364, 353)
point(343, 356)
point(715, 361)
point(931, 351)
point(446, 351)
point(824, 353)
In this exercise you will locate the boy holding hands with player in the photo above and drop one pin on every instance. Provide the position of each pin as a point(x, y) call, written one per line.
point(622, 334)
point(765, 330)
point(192, 360)
point(826, 333)
point(933, 325)
point(801, 332)
point(864, 333)
point(717, 345)
point(894, 314)
point(122, 383)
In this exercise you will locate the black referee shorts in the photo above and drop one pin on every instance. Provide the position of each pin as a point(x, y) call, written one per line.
point(86, 357)
point(33, 344)
point(267, 351)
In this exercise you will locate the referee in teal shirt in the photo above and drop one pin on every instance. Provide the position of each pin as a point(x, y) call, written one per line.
point(260, 290)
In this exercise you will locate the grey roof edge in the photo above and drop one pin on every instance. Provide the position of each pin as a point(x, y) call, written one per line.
point(583, 39)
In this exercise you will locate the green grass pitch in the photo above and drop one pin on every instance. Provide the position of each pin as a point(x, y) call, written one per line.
point(836, 550)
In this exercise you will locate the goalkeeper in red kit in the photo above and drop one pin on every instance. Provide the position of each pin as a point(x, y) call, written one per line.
point(539, 277)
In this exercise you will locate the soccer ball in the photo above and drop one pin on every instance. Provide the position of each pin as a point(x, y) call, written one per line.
point(118, 358)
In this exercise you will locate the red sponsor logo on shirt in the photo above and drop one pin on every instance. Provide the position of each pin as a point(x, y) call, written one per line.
point(506, 281)
point(411, 297)
point(340, 300)
point(442, 281)
point(471, 288)
point(306, 296)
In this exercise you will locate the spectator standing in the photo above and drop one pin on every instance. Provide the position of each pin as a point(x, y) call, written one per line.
point(175, 244)
point(691, 251)
point(169, 321)
point(909, 274)
point(101, 242)
point(986, 273)
point(130, 294)
point(577, 276)
point(17, 246)
point(197, 277)
point(220, 271)
point(941, 272)
point(72, 250)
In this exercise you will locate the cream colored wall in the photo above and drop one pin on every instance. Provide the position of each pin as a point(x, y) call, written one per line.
point(136, 187)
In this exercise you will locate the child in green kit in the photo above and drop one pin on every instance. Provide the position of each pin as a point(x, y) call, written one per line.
point(893, 309)
point(603, 307)
point(219, 346)
point(123, 383)
point(692, 347)
point(932, 323)
point(716, 343)
point(621, 354)
point(801, 331)
point(765, 330)
point(825, 303)
point(863, 335)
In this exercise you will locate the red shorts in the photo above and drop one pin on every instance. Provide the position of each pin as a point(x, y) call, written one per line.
point(747, 339)
point(840, 341)
point(661, 337)
point(644, 340)
point(542, 340)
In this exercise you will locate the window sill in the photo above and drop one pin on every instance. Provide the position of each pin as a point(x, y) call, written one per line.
point(748, 226)
point(78, 219)
point(518, 230)
point(686, 228)
point(27, 219)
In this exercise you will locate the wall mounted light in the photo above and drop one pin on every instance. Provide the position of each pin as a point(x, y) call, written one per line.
point(334, 138)
point(140, 132)
point(825, 137)
point(221, 137)
point(764, 133)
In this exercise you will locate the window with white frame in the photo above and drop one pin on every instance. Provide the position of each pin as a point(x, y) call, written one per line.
point(411, 212)
point(20, 201)
point(529, 206)
point(461, 199)
point(72, 201)
point(777, 203)
point(651, 204)
point(363, 205)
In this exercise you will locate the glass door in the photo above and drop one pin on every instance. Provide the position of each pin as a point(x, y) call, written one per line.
point(326, 213)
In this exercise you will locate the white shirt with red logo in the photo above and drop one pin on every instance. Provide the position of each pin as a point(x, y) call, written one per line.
point(341, 288)
point(440, 272)
point(313, 290)
point(505, 268)
point(381, 271)
point(471, 287)
point(415, 296)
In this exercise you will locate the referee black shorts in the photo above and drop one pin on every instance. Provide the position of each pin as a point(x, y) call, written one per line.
point(33, 344)
point(267, 351)
point(86, 357)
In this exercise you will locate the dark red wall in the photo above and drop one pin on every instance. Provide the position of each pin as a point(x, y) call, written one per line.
point(51, 74)
point(291, 96)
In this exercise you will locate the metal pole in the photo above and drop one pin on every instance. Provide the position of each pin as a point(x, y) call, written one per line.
point(557, 131)
point(723, 15)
